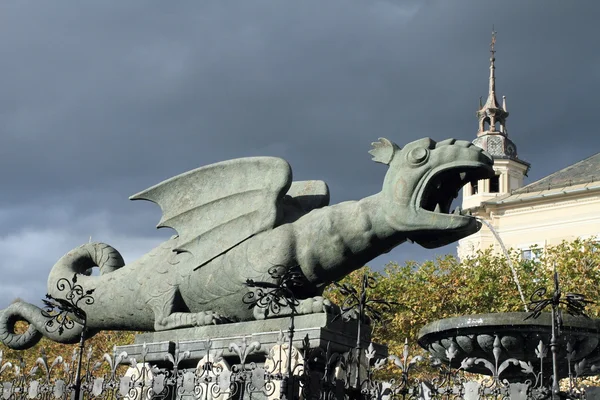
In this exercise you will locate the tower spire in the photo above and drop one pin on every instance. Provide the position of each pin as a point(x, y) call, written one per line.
point(491, 112)
point(492, 90)
point(492, 137)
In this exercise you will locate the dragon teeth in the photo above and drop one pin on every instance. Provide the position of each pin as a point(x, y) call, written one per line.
point(462, 175)
point(457, 211)
point(437, 208)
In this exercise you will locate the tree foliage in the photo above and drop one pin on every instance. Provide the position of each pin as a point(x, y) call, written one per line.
point(445, 287)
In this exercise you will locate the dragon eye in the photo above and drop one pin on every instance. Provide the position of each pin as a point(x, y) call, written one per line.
point(418, 155)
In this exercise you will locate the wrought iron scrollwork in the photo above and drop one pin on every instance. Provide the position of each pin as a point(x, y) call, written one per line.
point(272, 297)
point(63, 313)
point(357, 304)
point(575, 303)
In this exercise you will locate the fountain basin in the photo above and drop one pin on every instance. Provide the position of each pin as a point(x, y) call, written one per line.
point(502, 336)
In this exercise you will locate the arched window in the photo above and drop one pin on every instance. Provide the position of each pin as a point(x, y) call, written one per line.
point(495, 184)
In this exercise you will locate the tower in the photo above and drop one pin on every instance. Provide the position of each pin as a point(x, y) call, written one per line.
point(492, 136)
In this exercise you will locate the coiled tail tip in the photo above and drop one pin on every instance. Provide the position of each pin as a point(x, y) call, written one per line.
point(8, 319)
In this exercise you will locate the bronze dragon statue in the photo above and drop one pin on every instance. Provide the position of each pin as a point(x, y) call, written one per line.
point(236, 219)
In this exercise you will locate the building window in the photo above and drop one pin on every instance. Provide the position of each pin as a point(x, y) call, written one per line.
point(530, 254)
point(527, 254)
point(474, 187)
point(495, 184)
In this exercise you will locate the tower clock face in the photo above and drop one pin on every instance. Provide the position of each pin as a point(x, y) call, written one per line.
point(510, 149)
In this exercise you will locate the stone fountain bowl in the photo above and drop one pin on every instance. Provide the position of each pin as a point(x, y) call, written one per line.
point(509, 335)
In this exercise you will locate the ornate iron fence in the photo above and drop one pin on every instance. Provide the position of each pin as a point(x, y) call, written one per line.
point(316, 374)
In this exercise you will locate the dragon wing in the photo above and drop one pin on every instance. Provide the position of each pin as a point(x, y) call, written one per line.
point(310, 195)
point(216, 207)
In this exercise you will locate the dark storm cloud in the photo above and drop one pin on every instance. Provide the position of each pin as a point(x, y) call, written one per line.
point(101, 100)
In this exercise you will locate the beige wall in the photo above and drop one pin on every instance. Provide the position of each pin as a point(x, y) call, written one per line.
point(538, 220)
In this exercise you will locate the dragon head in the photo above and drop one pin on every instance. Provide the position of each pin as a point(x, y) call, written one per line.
point(423, 179)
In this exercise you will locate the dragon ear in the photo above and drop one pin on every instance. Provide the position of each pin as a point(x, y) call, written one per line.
point(383, 151)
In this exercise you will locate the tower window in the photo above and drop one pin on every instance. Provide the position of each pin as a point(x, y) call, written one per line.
point(474, 187)
point(495, 184)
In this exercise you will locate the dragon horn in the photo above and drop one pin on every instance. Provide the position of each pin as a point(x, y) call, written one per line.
point(383, 150)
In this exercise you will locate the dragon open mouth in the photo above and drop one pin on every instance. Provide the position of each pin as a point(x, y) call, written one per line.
point(443, 187)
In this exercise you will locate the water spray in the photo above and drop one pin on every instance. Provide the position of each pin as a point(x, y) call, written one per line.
point(508, 260)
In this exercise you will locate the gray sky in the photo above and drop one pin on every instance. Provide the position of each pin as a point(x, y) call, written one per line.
point(99, 100)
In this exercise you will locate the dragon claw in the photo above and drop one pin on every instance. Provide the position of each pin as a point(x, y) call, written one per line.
point(208, 318)
point(317, 304)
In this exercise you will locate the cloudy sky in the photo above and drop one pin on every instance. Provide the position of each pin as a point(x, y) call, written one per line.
point(99, 100)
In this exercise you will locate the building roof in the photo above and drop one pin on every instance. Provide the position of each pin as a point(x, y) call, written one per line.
point(584, 171)
point(583, 175)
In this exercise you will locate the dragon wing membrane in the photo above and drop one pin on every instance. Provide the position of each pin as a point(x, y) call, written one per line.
point(215, 207)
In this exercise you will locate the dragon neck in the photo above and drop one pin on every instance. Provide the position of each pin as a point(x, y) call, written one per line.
point(385, 216)
point(344, 237)
point(384, 231)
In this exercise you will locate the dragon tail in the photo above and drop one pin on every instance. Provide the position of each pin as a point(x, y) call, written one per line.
point(78, 261)
point(32, 314)
point(81, 259)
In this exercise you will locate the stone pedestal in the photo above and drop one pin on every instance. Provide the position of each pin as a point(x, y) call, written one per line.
point(257, 351)
point(321, 329)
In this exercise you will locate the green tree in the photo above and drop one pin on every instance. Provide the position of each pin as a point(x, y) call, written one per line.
point(445, 287)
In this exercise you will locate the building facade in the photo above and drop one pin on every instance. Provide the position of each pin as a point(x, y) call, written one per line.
point(562, 206)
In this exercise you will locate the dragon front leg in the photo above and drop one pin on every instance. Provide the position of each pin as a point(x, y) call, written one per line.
point(311, 305)
point(166, 317)
point(185, 320)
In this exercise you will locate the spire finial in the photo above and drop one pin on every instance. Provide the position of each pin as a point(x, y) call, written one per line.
point(491, 113)
point(492, 90)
